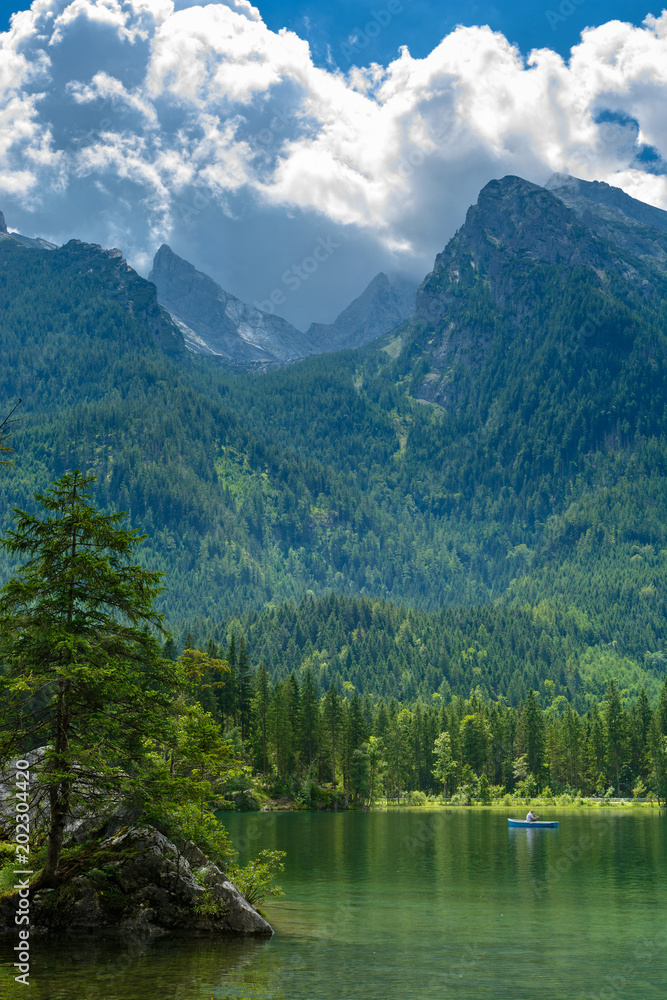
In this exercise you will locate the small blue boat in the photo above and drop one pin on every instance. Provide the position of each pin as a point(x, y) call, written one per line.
point(541, 824)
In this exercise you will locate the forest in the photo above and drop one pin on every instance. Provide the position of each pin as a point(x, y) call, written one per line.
point(324, 750)
point(421, 527)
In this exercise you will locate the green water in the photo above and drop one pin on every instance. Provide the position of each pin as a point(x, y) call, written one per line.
point(413, 904)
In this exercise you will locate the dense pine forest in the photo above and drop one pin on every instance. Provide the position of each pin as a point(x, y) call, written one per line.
point(323, 749)
point(463, 519)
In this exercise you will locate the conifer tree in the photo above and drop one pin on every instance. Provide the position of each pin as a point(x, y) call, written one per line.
point(84, 677)
point(614, 731)
point(243, 689)
point(310, 717)
point(333, 716)
point(261, 708)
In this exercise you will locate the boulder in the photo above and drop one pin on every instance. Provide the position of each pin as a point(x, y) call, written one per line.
point(138, 883)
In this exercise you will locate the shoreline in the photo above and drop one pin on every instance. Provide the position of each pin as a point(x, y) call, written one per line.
point(435, 805)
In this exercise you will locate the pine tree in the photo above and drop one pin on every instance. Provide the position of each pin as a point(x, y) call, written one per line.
point(614, 731)
point(261, 708)
point(244, 689)
point(84, 676)
point(310, 717)
point(333, 716)
point(228, 701)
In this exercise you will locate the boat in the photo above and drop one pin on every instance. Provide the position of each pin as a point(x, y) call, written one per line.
point(539, 823)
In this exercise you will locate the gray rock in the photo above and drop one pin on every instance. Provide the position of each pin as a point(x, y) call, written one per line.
point(384, 304)
point(17, 239)
point(631, 225)
point(216, 323)
point(144, 887)
point(574, 191)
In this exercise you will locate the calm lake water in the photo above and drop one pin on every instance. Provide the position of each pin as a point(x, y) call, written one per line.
point(413, 905)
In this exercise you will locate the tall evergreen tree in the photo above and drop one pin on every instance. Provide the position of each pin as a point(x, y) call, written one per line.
point(261, 709)
point(614, 731)
point(84, 675)
point(243, 689)
point(310, 718)
point(332, 713)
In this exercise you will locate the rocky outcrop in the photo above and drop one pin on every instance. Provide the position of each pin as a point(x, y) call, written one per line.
point(122, 284)
point(579, 194)
point(384, 304)
point(136, 882)
point(25, 241)
point(637, 229)
point(216, 323)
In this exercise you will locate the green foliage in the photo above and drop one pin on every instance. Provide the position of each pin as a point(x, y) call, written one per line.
point(256, 880)
point(83, 675)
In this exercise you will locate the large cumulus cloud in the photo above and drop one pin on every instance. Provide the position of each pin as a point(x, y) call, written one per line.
point(129, 122)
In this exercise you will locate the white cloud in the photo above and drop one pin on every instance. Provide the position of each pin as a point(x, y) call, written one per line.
point(126, 115)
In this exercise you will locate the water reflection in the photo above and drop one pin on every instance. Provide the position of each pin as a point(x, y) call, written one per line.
point(413, 906)
point(148, 970)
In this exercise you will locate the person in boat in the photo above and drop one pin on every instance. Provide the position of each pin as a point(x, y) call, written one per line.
point(531, 817)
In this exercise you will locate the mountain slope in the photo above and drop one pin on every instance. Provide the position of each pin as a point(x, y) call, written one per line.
point(381, 307)
point(213, 322)
point(536, 477)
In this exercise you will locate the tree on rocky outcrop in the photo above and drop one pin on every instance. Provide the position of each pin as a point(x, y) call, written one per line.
point(83, 676)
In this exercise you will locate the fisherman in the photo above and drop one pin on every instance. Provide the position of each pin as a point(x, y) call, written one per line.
point(531, 817)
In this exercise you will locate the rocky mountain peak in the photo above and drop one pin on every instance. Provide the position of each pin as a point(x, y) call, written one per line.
point(3, 224)
point(575, 192)
point(513, 223)
point(384, 304)
point(214, 322)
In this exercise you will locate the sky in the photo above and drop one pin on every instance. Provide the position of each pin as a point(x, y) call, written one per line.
point(292, 151)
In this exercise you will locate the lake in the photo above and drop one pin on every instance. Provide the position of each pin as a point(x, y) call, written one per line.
point(413, 905)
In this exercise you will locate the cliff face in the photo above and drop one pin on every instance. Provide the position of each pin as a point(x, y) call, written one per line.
point(214, 322)
point(514, 223)
point(383, 305)
point(520, 250)
point(637, 229)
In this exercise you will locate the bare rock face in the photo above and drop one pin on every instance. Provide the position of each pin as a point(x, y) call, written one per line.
point(25, 241)
point(138, 883)
point(383, 305)
point(514, 222)
point(213, 322)
point(634, 227)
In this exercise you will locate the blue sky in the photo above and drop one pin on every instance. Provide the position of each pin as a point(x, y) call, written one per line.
point(243, 145)
point(421, 24)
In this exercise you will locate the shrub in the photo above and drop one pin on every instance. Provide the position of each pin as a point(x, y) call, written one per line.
point(256, 880)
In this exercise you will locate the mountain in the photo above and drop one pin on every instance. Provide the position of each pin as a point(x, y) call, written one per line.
point(382, 306)
point(611, 201)
point(213, 322)
point(38, 244)
point(632, 226)
point(536, 479)
point(523, 286)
